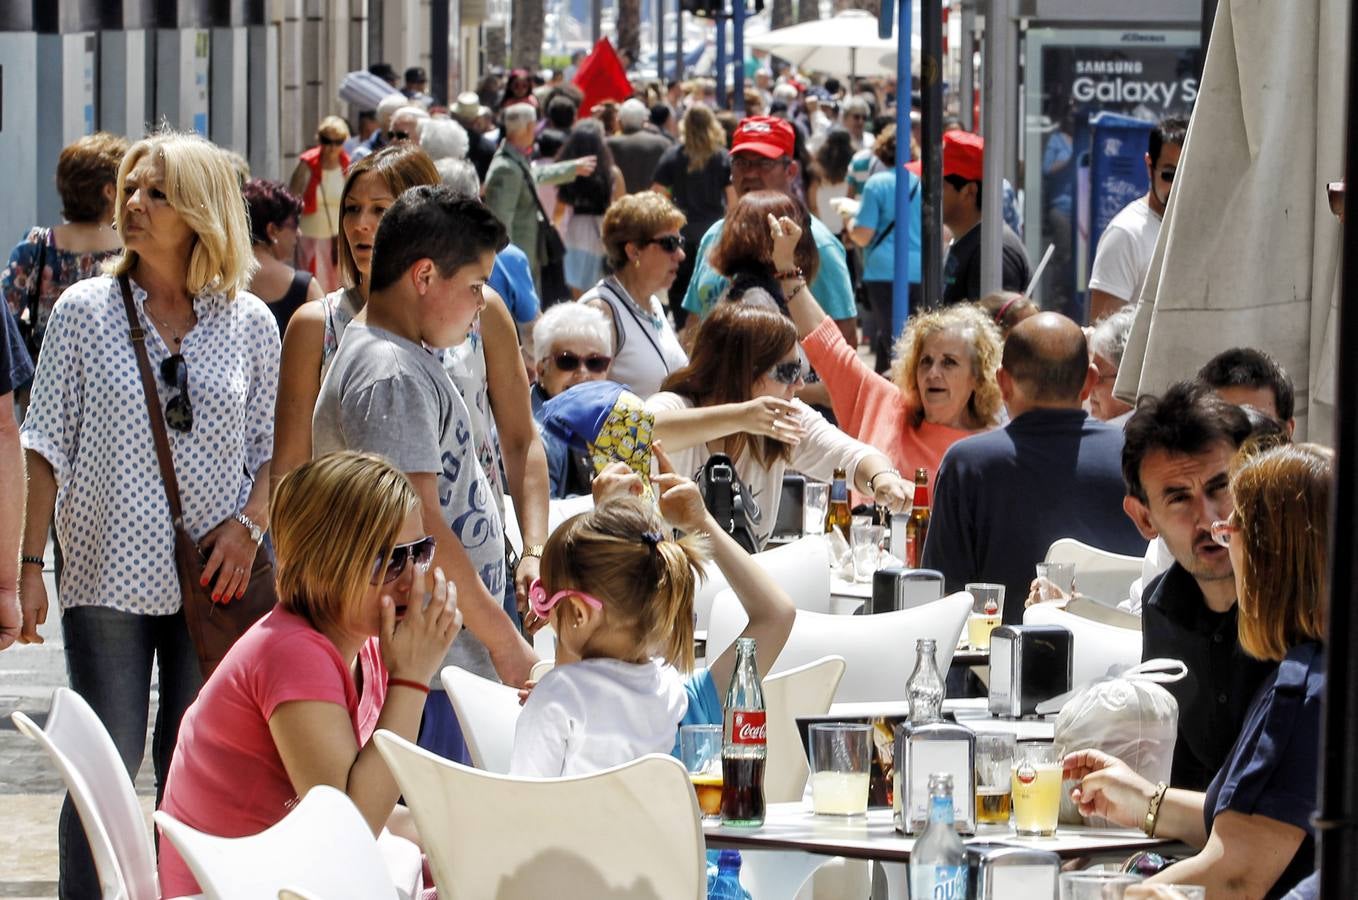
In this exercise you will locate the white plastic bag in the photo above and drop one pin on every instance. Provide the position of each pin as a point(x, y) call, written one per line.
point(1130, 717)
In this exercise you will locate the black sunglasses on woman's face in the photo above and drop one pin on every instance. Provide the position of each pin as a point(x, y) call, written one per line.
point(670, 243)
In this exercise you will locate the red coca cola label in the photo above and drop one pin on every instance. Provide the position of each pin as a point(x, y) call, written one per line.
point(748, 726)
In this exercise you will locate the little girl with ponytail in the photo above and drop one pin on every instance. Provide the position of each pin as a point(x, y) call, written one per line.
point(618, 590)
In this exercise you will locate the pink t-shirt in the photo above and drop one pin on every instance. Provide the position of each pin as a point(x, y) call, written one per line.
point(227, 778)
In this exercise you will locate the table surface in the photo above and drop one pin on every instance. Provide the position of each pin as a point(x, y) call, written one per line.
point(792, 826)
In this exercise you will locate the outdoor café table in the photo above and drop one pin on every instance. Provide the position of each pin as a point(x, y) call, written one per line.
point(793, 827)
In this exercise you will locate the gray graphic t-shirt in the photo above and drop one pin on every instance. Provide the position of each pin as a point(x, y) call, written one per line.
point(385, 394)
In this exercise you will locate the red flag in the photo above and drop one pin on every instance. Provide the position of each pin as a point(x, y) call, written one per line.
point(601, 77)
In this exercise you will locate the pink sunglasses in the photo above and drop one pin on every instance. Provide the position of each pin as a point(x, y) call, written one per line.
point(542, 604)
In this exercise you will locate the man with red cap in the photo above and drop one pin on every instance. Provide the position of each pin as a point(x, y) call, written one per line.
point(762, 160)
point(963, 153)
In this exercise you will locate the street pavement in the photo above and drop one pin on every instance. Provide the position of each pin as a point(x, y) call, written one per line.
point(31, 791)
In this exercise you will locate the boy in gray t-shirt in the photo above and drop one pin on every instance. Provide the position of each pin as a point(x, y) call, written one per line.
point(387, 393)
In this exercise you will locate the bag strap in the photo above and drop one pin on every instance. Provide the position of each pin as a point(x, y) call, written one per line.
point(148, 387)
point(35, 286)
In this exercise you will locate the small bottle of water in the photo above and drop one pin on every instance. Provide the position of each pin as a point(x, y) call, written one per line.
point(726, 884)
point(938, 864)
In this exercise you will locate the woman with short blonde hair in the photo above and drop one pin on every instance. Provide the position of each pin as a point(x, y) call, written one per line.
point(91, 458)
point(296, 702)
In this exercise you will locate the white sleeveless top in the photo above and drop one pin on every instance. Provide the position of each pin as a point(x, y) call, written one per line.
point(825, 192)
point(646, 349)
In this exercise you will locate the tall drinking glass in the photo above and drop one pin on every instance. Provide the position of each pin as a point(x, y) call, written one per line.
point(866, 542)
point(700, 752)
point(814, 507)
point(1060, 576)
point(841, 757)
point(1094, 885)
point(1036, 786)
point(994, 771)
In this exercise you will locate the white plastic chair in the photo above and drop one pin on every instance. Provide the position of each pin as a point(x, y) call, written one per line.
point(1096, 649)
point(88, 761)
point(488, 713)
point(1099, 574)
point(541, 668)
point(801, 691)
point(802, 568)
point(298, 894)
point(323, 846)
point(879, 650)
point(628, 831)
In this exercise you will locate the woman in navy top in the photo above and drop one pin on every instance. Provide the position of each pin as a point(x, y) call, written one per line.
point(1252, 827)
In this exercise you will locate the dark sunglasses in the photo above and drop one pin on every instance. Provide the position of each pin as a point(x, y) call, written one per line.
point(1223, 531)
point(420, 552)
point(1335, 191)
point(670, 243)
point(331, 142)
point(1167, 175)
point(570, 362)
point(788, 372)
point(174, 371)
point(398, 135)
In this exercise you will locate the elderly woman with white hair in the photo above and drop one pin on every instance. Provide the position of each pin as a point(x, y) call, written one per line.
point(92, 461)
point(442, 138)
point(572, 344)
point(1107, 343)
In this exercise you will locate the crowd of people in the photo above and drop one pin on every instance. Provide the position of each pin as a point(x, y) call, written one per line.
point(517, 299)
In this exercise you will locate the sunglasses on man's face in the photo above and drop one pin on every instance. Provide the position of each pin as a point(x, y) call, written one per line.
point(174, 371)
point(1166, 175)
point(788, 372)
point(398, 135)
point(420, 552)
point(670, 243)
point(571, 362)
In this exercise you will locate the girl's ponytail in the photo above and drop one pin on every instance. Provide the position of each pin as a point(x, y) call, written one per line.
point(678, 568)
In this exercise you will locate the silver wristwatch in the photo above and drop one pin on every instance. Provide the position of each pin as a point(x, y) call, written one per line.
point(256, 533)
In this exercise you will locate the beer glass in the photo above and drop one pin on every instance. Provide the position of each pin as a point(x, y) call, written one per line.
point(1060, 576)
point(1036, 788)
point(1095, 885)
point(816, 503)
point(841, 755)
point(700, 752)
point(987, 611)
point(994, 769)
point(866, 542)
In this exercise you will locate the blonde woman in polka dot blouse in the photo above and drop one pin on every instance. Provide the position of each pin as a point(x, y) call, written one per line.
point(91, 459)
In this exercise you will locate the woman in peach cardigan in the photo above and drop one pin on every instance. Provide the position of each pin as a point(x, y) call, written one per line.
point(942, 383)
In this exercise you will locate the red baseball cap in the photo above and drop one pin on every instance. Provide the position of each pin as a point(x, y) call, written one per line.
point(963, 153)
point(767, 136)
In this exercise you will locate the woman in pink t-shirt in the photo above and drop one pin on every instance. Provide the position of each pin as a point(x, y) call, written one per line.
point(942, 386)
point(292, 705)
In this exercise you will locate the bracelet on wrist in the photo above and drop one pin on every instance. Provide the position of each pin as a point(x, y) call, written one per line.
point(788, 275)
point(406, 682)
point(27, 560)
point(1153, 809)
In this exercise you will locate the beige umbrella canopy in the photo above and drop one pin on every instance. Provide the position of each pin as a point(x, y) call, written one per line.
point(845, 44)
point(1249, 252)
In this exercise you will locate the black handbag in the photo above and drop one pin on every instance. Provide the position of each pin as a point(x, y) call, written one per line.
point(28, 316)
point(730, 502)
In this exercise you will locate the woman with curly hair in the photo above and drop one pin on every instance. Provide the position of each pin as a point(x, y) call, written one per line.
point(942, 384)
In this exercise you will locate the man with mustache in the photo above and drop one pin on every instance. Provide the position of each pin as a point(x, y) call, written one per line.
point(1175, 461)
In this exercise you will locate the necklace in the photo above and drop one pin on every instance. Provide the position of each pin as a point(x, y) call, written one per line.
point(175, 335)
point(656, 322)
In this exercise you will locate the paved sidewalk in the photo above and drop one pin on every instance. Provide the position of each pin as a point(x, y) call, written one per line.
point(31, 792)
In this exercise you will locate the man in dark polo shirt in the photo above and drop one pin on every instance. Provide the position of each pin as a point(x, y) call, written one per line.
point(963, 154)
point(1002, 498)
point(1175, 458)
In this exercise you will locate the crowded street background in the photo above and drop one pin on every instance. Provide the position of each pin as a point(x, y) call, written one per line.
point(319, 394)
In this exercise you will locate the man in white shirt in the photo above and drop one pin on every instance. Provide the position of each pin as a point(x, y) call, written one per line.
point(1124, 253)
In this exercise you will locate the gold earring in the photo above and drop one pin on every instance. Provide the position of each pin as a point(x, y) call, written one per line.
point(637, 261)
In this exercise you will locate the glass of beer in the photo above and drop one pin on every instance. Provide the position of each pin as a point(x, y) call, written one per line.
point(700, 752)
point(987, 611)
point(841, 759)
point(994, 769)
point(1036, 786)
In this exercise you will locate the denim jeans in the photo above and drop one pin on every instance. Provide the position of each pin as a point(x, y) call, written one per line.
point(108, 658)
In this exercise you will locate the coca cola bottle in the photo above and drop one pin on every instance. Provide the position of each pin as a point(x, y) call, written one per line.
point(744, 743)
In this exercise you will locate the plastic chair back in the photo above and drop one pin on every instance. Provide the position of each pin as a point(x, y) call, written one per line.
point(1101, 575)
point(488, 713)
point(879, 650)
point(1096, 649)
point(802, 568)
point(323, 846)
point(629, 831)
point(88, 761)
point(802, 691)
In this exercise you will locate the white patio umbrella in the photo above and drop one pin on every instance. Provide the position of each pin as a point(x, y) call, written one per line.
point(1249, 253)
point(846, 44)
